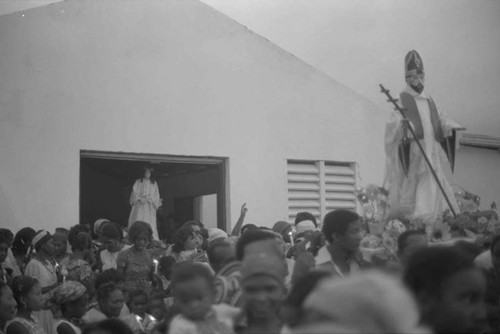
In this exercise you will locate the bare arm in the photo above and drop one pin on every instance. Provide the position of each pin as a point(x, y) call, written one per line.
point(239, 223)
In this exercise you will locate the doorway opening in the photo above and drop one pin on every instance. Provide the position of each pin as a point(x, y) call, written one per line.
point(191, 187)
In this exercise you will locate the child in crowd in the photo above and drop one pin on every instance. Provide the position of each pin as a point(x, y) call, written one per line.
point(138, 320)
point(111, 236)
point(61, 244)
point(72, 299)
point(193, 289)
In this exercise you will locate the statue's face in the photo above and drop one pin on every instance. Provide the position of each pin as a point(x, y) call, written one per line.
point(147, 174)
point(416, 81)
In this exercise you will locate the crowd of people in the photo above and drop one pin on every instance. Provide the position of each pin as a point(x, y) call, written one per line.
point(299, 277)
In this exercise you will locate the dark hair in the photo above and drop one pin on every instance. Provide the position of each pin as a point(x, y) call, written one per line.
point(137, 293)
point(107, 276)
point(22, 241)
point(403, 238)
point(4, 240)
point(494, 240)
point(304, 215)
point(40, 243)
point(112, 231)
point(105, 290)
point(157, 294)
point(166, 262)
point(216, 257)
point(81, 242)
point(428, 268)
point(62, 230)
point(74, 230)
point(337, 222)
point(108, 326)
point(139, 227)
point(248, 227)
point(186, 271)
point(179, 238)
point(193, 223)
point(5, 232)
point(249, 237)
point(21, 286)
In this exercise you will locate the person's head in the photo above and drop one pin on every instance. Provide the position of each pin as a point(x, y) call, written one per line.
point(414, 71)
point(4, 248)
point(22, 241)
point(263, 284)
point(304, 215)
point(409, 242)
point(293, 305)
point(184, 239)
point(110, 275)
point(8, 304)
point(43, 243)
point(27, 293)
point(216, 235)
point(284, 229)
point(140, 234)
point(7, 234)
point(256, 241)
point(495, 252)
point(449, 289)
point(219, 254)
point(193, 289)
point(247, 227)
point(107, 326)
point(81, 242)
point(110, 299)
point(138, 302)
point(166, 266)
point(60, 241)
point(199, 230)
point(111, 236)
point(98, 225)
point(157, 307)
point(72, 298)
point(148, 171)
point(343, 228)
point(369, 302)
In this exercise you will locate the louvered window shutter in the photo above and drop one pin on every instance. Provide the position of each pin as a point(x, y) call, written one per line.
point(319, 187)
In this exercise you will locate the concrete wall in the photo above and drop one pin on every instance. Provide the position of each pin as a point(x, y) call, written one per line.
point(169, 77)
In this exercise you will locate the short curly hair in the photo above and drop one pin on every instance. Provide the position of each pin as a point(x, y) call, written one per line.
point(337, 222)
point(105, 290)
point(139, 227)
point(179, 238)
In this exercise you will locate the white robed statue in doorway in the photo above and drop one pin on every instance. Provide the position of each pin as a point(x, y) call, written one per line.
point(145, 200)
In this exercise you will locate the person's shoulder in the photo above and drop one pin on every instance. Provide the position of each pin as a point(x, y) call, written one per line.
point(181, 324)
point(225, 310)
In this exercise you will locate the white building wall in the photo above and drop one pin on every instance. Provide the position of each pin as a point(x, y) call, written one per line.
point(169, 77)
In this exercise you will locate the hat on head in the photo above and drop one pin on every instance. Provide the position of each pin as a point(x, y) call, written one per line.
point(69, 291)
point(98, 223)
point(413, 63)
point(215, 233)
point(304, 226)
point(41, 237)
point(263, 264)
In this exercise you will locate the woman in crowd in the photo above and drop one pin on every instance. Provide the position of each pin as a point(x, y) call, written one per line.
point(80, 262)
point(136, 263)
point(186, 244)
point(8, 305)
point(21, 246)
point(110, 303)
point(111, 236)
point(28, 295)
point(72, 299)
point(42, 267)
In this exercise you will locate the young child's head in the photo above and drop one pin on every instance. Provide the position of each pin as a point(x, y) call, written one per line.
point(166, 265)
point(450, 290)
point(193, 290)
point(60, 241)
point(184, 239)
point(138, 302)
point(157, 307)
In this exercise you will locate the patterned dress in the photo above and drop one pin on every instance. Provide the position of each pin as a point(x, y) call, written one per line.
point(137, 267)
point(30, 325)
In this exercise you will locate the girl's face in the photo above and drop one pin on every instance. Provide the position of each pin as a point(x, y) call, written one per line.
point(147, 174)
point(194, 298)
point(33, 299)
point(191, 243)
point(8, 304)
point(138, 305)
point(141, 242)
point(112, 305)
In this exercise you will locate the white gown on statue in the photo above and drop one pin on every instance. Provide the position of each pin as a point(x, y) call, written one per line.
point(146, 210)
point(417, 195)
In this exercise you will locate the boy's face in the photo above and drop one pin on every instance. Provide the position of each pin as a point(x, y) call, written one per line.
point(460, 308)
point(138, 305)
point(194, 298)
point(351, 239)
point(263, 295)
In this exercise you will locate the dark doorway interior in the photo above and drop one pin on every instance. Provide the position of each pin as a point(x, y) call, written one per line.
point(106, 181)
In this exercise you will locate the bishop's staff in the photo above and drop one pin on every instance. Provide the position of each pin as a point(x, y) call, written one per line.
point(401, 110)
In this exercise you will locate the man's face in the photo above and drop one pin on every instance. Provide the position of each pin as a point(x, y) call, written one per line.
point(460, 307)
point(351, 239)
point(263, 296)
point(416, 81)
